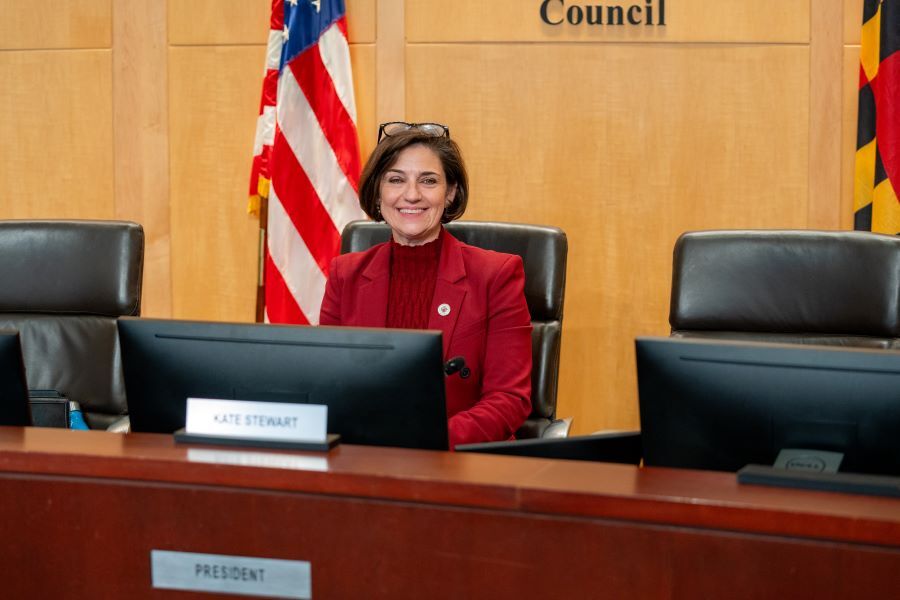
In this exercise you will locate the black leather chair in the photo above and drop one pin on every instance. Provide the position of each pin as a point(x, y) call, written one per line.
point(62, 285)
point(543, 251)
point(809, 287)
point(787, 286)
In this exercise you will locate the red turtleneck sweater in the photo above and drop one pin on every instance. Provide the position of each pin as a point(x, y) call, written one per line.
point(413, 275)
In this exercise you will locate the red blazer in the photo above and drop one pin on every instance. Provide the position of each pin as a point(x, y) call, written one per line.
point(488, 325)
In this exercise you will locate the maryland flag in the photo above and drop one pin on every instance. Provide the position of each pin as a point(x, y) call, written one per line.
point(878, 130)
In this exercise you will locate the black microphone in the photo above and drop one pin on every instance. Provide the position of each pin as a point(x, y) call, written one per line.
point(457, 364)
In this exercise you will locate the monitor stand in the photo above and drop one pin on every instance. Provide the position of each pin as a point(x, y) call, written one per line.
point(848, 483)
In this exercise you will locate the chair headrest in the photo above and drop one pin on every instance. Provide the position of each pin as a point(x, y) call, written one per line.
point(543, 251)
point(787, 281)
point(89, 267)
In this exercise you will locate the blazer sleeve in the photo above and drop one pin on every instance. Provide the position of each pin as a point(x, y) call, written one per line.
point(505, 400)
point(330, 313)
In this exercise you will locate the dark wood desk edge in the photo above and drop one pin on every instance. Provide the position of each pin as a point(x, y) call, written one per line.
point(535, 493)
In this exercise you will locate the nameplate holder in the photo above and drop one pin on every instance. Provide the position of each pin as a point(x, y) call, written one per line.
point(257, 424)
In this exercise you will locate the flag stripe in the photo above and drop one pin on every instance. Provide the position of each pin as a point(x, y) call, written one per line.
point(265, 129)
point(302, 132)
point(273, 49)
point(277, 19)
point(279, 299)
point(334, 122)
point(265, 124)
point(334, 52)
point(302, 205)
point(270, 90)
point(291, 257)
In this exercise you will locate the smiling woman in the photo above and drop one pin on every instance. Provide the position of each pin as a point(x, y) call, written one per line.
point(424, 278)
point(414, 194)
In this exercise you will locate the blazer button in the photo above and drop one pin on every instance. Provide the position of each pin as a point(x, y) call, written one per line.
point(444, 310)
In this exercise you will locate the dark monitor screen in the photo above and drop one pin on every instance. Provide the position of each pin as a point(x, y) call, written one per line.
point(14, 408)
point(607, 447)
point(724, 404)
point(382, 387)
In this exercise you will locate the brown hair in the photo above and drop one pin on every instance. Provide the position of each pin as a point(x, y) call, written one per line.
point(385, 155)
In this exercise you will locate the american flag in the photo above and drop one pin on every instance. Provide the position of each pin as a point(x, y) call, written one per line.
point(306, 155)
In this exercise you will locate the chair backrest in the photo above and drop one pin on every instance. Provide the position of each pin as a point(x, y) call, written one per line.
point(814, 287)
point(543, 251)
point(62, 285)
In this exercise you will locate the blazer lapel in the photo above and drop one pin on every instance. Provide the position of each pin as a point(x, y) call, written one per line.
point(449, 290)
point(373, 292)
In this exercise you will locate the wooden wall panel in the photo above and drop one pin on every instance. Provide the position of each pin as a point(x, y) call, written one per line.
point(362, 57)
point(217, 22)
point(623, 162)
point(212, 118)
point(202, 22)
point(56, 157)
point(849, 112)
point(361, 20)
point(826, 60)
point(390, 61)
point(852, 19)
point(26, 24)
point(755, 21)
point(141, 128)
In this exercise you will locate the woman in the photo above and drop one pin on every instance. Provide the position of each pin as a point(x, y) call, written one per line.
point(424, 278)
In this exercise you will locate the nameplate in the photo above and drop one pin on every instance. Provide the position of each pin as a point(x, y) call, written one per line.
point(223, 574)
point(244, 419)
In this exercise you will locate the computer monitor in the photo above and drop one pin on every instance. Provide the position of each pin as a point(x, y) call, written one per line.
point(382, 387)
point(721, 405)
point(14, 409)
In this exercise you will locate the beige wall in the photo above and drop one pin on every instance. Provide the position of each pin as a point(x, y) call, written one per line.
point(739, 113)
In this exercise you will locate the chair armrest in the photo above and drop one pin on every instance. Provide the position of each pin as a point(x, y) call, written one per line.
point(559, 428)
point(122, 425)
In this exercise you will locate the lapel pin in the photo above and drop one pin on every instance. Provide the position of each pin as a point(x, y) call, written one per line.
point(444, 310)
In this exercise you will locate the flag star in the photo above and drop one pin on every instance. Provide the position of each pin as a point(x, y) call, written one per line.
point(285, 35)
point(292, 2)
point(317, 4)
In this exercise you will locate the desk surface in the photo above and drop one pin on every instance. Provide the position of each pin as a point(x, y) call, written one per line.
point(695, 499)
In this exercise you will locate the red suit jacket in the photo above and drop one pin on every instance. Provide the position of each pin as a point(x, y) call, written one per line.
point(488, 324)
